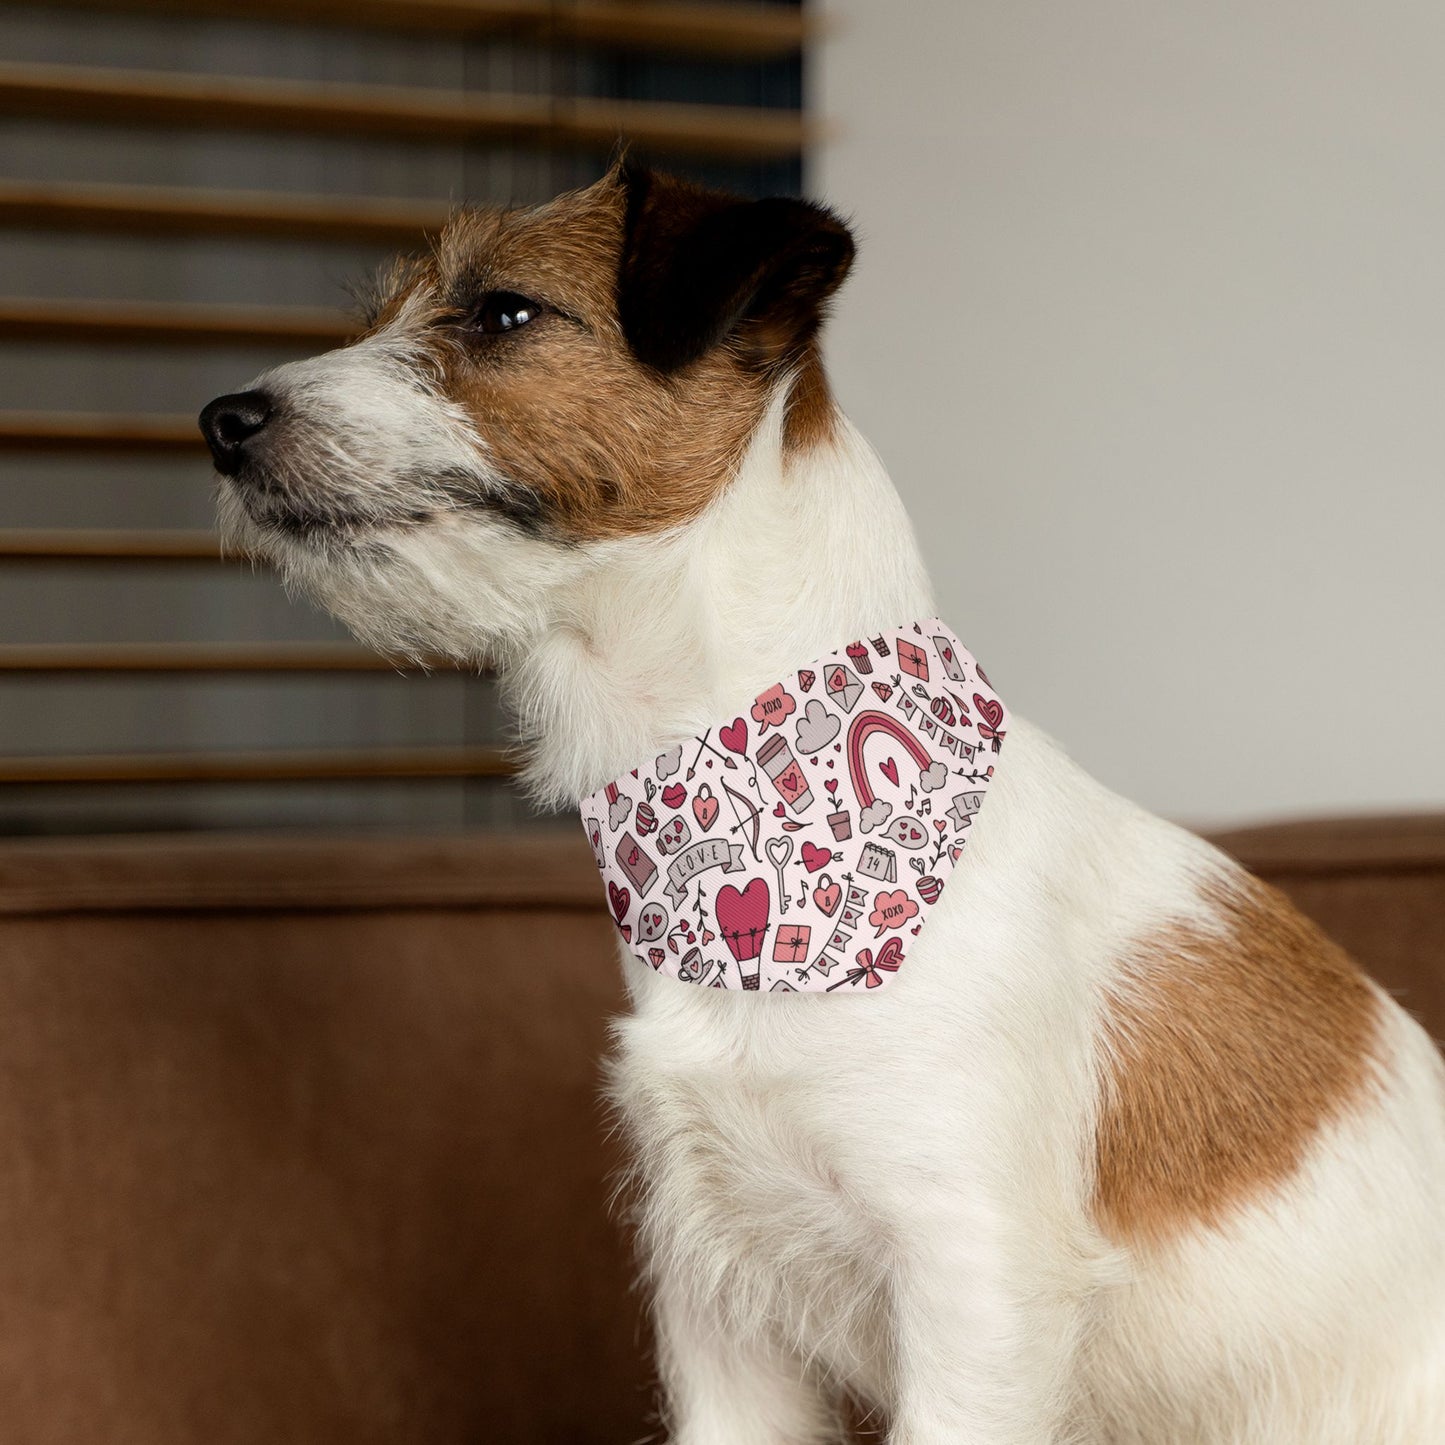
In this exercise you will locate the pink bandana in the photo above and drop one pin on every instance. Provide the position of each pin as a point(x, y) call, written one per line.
point(799, 849)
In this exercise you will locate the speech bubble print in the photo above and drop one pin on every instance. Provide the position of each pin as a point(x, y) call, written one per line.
point(817, 727)
point(668, 763)
point(891, 910)
point(651, 922)
point(875, 815)
point(935, 775)
point(908, 832)
point(772, 707)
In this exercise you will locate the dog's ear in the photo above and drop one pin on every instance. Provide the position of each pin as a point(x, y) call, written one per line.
point(700, 266)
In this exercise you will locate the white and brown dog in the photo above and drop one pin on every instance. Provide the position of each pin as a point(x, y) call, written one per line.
point(1129, 1153)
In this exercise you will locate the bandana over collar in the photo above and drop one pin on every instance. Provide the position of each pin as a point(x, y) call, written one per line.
point(800, 848)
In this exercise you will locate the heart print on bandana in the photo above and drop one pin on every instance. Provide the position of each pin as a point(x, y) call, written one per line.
point(804, 846)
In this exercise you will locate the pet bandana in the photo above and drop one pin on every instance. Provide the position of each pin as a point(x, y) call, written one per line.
point(799, 848)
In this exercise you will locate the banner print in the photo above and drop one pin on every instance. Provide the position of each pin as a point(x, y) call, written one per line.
point(799, 846)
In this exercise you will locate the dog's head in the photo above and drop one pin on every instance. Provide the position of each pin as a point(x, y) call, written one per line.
point(543, 383)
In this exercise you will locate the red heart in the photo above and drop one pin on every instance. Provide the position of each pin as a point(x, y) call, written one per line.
point(815, 858)
point(734, 737)
point(831, 784)
point(779, 811)
point(620, 899)
point(990, 709)
point(743, 917)
point(674, 795)
point(889, 769)
point(948, 654)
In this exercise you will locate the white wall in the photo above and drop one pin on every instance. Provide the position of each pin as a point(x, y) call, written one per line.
point(1149, 324)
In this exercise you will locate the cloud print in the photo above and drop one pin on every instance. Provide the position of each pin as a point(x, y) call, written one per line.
point(935, 775)
point(668, 763)
point(817, 727)
point(618, 810)
point(875, 815)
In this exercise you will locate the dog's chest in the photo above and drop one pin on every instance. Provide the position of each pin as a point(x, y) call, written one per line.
point(748, 1170)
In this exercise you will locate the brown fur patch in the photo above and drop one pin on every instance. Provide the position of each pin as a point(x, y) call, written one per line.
point(812, 415)
point(1227, 1053)
point(605, 445)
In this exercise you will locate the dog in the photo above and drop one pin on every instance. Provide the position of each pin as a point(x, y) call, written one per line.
point(1127, 1151)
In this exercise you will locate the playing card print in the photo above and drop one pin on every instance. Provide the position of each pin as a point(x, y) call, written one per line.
point(804, 839)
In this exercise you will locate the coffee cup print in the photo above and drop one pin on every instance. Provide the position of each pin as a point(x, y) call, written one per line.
point(776, 759)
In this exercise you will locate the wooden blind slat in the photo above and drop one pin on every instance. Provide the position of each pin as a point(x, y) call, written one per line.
point(82, 544)
point(185, 657)
point(218, 102)
point(79, 431)
point(172, 323)
point(755, 32)
point(330, 765)
point(173, 211)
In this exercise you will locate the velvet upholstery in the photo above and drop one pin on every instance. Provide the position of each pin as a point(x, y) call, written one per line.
point(302, 1142)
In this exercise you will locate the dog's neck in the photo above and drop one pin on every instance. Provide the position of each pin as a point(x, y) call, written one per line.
point(802, 553)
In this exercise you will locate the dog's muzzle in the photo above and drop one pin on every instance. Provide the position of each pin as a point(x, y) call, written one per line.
point(231, 423)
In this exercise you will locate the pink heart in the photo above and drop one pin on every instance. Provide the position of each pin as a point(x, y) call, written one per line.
point(939, 824)
point(734, 737)
point(620, 899)
point(990, 709)
point(779, 811)
point(705, 811)
point(674, 795)
point(815, 858)
point(743, 917)
point(831, 784)
point(889, 769)
point(828, 898)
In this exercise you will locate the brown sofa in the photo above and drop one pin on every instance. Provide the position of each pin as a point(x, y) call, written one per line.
point(302, 1140)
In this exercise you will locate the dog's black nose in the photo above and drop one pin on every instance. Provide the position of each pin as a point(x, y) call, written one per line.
point(229, 422)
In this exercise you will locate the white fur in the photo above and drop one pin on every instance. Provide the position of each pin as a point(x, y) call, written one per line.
point(890, 1195)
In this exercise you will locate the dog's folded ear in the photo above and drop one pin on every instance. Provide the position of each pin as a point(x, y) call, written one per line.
point(701, 266)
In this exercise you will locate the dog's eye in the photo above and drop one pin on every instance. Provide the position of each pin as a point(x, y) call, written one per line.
point(504, 311)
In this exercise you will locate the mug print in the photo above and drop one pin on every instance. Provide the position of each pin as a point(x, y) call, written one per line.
point(798, 845)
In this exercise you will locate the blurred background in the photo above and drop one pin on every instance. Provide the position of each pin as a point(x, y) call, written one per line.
point(1146, 323)
point(1149, 324)
point(301, 1007)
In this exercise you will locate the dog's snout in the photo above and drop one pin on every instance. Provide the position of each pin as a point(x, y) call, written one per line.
point(229, 422)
